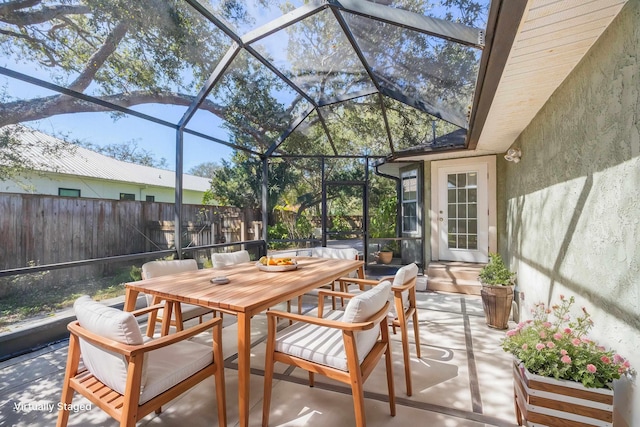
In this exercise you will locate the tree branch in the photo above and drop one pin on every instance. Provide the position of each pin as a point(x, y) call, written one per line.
point(99, 57)
point(11, 15)
point(40, 108)
point(10, 6)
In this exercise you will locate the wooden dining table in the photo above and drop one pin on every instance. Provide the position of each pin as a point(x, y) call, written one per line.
point(249, 292)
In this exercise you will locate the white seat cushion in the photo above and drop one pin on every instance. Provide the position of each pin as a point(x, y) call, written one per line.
point(111, 323)
point(169, 366)
point(325, 345)
point(231, 258)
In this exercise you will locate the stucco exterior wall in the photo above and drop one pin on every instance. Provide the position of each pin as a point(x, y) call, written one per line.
point(572, 205)
point(97, 188)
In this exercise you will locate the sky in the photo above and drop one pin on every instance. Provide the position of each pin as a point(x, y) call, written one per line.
point(102, 129)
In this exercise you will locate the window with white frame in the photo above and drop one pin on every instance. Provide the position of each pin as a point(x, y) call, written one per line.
point(409, 201)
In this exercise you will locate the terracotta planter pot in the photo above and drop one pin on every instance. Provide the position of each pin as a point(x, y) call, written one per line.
point(496, 301)
point(542, 401)
point(385, 257)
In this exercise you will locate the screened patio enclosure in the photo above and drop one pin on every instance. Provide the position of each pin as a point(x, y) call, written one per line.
point(285, 80)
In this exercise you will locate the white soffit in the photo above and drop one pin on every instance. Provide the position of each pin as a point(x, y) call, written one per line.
point(553, 37)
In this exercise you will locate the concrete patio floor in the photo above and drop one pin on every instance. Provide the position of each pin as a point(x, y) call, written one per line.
point(463, 379)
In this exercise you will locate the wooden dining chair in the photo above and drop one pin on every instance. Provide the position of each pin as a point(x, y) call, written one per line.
point(128, 377)
point(333, 253)
point(342, 345)
point(403, 308)
point(182, 312)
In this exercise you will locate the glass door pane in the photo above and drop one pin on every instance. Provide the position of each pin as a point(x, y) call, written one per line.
point(462, 206)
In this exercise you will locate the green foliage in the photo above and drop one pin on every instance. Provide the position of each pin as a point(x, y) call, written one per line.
point(13, 162)
point(35, 294)
point(128, 152)
point(496, 273)
point(558, 346)
point(205, 170)
point(382, 222)
point(135, 273)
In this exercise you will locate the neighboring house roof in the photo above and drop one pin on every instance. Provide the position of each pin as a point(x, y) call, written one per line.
point(80, 161)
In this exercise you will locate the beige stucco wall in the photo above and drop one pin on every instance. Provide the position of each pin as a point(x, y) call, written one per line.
point(572, 205)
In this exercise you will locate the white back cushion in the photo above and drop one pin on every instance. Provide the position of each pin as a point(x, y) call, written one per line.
point(363, 306)
point(347, 253)
point(224, 259)
point(111, 323)
point(162, 268)
point(404, 275)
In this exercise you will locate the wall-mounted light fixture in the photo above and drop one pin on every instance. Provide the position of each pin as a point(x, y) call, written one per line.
point(513, 155)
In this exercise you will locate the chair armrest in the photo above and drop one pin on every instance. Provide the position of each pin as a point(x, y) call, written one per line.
point(338, 294)
point(335, 324)
point(358, 281)
point(180, 336)
point(402, 288)
point(128, 349)
point(148, 309)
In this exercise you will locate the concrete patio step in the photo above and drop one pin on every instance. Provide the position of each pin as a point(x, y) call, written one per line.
point(454, 277)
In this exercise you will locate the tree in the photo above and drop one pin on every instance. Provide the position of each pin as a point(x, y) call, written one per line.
point(12, 161)
point(132, 53)
point(205, 170)
point(128, 152)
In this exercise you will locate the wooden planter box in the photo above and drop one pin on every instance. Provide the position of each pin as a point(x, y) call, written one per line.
point(542, 401)
point(496, 302)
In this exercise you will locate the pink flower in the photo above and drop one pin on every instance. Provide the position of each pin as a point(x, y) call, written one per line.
point(561, 297)
point(525, 346)
point(591, 368)
point(550, 344)
point(576, 341)
point(563, 352)
point(565, 359)
point(567, 331)
point(605, 360)
point(547, 325)
point(617, 359)
point(543, 334)
point(557, 336)
point(585, 340)
point(539, 346)
point(512, 332)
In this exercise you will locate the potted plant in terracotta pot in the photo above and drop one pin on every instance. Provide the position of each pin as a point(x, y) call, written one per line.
point(554, 357)
point(497, 291)
point(385, 255)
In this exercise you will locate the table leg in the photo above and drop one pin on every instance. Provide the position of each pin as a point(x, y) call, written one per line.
point(166, 317)
point(130, 297)
point(244, 366)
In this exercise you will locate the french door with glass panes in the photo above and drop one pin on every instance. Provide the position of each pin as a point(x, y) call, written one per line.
point(462, 213)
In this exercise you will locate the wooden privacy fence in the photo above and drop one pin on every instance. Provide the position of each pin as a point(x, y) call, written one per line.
point(38, 229)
